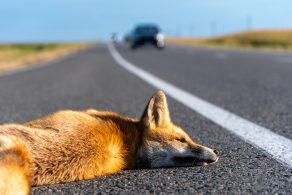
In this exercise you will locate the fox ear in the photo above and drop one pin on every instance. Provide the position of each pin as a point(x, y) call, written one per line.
point(156, 113)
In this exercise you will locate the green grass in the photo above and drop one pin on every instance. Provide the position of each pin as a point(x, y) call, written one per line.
point(265, 39)
point(34, 47)
point(19, 55)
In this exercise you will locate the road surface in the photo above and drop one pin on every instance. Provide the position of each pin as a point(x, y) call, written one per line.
point(255, 86)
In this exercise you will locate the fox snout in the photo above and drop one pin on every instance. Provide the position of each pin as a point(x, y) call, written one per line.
point(197, 157)
point(206, 156)
point(167, 145)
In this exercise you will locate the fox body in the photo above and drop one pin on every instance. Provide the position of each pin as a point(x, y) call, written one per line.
point(77, 145)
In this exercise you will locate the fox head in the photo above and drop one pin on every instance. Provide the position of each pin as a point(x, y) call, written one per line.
point(165, 144)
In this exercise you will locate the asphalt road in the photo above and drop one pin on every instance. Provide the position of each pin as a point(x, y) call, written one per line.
point(256, 86)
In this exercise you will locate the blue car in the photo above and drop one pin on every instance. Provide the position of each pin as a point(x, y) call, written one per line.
point(146, 34)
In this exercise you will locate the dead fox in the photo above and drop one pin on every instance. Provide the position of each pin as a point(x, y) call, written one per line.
point(71, 145)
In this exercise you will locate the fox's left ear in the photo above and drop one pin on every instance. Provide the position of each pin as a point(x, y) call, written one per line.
point(156, 113)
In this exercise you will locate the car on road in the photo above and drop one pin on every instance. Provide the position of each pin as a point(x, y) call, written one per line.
point(146, 34)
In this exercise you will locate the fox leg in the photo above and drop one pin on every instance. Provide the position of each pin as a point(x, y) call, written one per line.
point(14, 167)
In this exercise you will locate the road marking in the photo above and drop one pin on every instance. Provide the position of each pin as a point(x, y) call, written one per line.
point(279, 147)
point(190, 51)
point(172, 49)
point(221, 56)
point(285, 60)
point(44, 64)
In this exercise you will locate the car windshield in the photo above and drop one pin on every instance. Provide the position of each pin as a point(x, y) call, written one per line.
point(146, 29)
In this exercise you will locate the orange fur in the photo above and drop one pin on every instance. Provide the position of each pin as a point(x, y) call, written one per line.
point(70, 145)
point(14, 167)
point(77, 145)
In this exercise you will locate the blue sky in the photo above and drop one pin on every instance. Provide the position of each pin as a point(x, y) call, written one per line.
point(85, 20)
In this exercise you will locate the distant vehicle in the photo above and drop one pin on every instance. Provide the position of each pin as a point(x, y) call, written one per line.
point(145, 34)
point(114, 37)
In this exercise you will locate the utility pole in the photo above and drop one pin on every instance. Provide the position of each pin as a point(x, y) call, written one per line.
point(191, 30)
point(213, 29)
point(177, 31)
point(248, 22)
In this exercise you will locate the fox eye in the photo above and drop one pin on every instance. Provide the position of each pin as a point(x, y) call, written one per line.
point(182, 140)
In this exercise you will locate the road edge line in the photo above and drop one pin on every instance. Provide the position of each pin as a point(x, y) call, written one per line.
point(277, 146)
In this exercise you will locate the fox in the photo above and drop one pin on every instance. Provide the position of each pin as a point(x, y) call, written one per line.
point(68, 146)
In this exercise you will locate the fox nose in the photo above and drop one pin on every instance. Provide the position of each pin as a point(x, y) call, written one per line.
point(216, 152)
point(210, 155)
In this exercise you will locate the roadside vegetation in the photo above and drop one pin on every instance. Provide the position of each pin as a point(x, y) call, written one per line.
point(22, 55)
point(265, 39)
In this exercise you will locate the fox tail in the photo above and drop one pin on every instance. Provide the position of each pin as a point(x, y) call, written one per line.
point(14, 167)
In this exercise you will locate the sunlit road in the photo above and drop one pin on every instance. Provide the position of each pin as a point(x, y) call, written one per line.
point(255, 86)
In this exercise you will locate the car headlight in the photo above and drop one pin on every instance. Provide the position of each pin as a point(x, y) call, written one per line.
point(160, 36)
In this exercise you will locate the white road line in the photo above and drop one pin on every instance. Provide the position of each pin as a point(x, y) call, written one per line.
point(279, 147)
